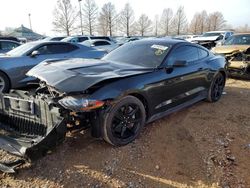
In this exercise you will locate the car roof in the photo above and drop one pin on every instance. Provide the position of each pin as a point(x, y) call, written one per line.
point(9, 41)
point(97, 40)
point(50, 42)
point(169, 41)
point(241, 34)
point(218, 31)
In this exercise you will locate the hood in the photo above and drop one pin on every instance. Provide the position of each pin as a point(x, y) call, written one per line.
point(230, 49)
point(212, 38)
point(77, 75)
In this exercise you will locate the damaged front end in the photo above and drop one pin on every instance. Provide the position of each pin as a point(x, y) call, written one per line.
point(30, 125)
point(238, 63)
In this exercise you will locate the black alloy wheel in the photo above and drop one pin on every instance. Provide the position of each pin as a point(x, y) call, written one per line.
point(216, 88)
point(125, 121)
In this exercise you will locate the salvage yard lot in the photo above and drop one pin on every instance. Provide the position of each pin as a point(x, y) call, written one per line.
point(206, 145)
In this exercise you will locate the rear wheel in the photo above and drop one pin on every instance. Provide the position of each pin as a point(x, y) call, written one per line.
point(4, 83)
point(124, 121)
point(216, 88)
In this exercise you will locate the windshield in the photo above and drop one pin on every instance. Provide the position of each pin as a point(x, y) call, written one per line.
point(140, 53)
point(21, 50)
point(238, 40)
point(211, 34)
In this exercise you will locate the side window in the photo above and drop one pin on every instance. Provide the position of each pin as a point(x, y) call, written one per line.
point(101, 43)
point(202, 53)
point(8, 45)
point(56, 49)
point(81, 39)
point(183, 53)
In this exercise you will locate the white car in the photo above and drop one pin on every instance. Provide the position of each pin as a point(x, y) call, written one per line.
point(102, 44)
point(212, 38)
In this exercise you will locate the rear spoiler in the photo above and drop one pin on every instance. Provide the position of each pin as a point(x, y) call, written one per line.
point(29, 127)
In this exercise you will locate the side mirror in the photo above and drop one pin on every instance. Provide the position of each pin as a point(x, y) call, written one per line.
point(180, 63)
point(34, 53)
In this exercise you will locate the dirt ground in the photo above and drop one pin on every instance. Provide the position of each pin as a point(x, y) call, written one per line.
point(206, 145)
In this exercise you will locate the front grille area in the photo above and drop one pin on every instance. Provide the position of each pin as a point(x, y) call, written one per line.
point(21, 126)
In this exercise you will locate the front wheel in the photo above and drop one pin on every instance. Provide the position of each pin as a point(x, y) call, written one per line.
point(4, 83)
point(216, 88)
point(123, 123)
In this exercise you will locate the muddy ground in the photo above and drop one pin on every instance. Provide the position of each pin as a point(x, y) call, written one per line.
point(206, 145)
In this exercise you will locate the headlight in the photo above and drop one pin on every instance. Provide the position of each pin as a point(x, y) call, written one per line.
point(80, 104)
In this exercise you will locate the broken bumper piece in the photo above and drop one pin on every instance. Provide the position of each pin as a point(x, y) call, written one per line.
point(29, 127)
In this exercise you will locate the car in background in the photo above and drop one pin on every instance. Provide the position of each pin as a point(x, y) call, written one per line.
point(9, 38)
point(102, 44)
point(236, 50)
point(82, 38)
point(102, 37)
point(75, 39)
point(188, 38)
point(17, 62)
point(7, 45)
point(123, 40)
point(116, 96)
point(212, 38)
point(53, 38)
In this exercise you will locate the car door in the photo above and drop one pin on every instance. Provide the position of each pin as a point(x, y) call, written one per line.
point(182, 84)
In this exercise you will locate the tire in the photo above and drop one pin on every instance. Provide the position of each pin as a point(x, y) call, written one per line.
point(4, 83)
point(124, 121)
point(216, 88)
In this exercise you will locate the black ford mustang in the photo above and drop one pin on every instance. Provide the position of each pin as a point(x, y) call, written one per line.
point(135, 84)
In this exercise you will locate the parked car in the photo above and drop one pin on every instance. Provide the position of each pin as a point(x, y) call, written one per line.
point(7, 45)
point(82, 38)
point(15, 64)
point(75, 39)
point(102, 37)
point(102, 44)
point(122, 40)
point(188, 38)
point(116, 96)
point(53, 38)
point(236, 50)
point(9, 38)
point(212, 38)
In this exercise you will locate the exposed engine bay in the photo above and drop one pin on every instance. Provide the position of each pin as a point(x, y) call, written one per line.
point(32, 123)
point(238, 63)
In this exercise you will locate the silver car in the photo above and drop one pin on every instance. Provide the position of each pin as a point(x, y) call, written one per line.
point(16, 63)
point(7, 45)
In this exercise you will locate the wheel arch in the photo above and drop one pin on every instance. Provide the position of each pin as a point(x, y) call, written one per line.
point(1, 71)
point(224, 74)
point(144, 102)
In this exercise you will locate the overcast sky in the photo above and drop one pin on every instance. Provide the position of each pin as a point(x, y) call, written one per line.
point(13, 13)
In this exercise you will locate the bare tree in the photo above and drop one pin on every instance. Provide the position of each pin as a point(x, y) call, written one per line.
point(199, 22)
point(179, 21)
point(156, 25)
point(90, 13)
point(243, 29)
point(165, 21)
point(127, 18)
point(194, 25)
point(64, 17)
point(144, 24)
point(216, 21)
point(108, 17)
point(203, 21)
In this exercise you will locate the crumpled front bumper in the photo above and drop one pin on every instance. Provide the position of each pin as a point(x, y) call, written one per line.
point(29, 126)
